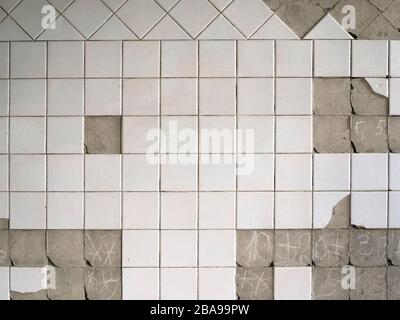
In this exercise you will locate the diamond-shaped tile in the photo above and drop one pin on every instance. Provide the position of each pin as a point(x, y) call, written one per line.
point(60, 5)
point(380, 29)
point(248, 15)
point(63, 31)
point(8, 5)
point(10, 31)
point(327, 4)
point(221, 4)
point(393, 13)
point(3, 14)
point(194, 15)
point(365, 13)
point(86, 23)
point(114, 4)
point(167, 4)
point(381, 4)
point(113, 29)
point(140, 15)
point(29, 16)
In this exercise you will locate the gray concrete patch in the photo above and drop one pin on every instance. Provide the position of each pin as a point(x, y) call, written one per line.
point(4, 248)
point(394, 134)
point(28, 248)
point(393, 282)
point(380, 29)
point(103, 135)
point(103, 283)
point(381, 4)
point(254, 283)
point(40, 295)
point(65, 248)
point(327, 284)
point(370, 284)
point(368, 248)
point(365, 13)
point(4, 224)
point(292, 248)
point(69, 285)
point(392, 13)
point(369, 134)
point(103, 248)
point(332, 134)
point(394, 247)
point(331, 96)
point(340, 218)
point(330, 248)
point(254, 248)
point(327, 4)
point(365, 101)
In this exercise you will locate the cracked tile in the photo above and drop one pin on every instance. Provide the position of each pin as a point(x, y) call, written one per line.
point(365, 101)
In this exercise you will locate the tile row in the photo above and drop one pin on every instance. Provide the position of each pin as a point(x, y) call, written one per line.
point(188, 59)
point(247, 210)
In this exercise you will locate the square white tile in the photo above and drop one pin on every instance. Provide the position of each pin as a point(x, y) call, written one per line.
point(5, 60)
point(4, 283)
point(179, 134)
point(4, 206)
point(27, 210)
point(140, 283)
point(178, 248)
point(394, 210)
point(27, 135)
point(140, 248)
point(65, 210)
point(178, 210)
point(217, 210)
point(26, 279)
point(365, 179)
point(141, 97)
point(294, 134)
point(217, 248)
point(135, 133)
point(255, 96)
point(4, 103)
point(218, 176)
point(102, 210)
point(141, 59)
point(103, 59)
point(369, 209)
point(217, 134)
point(179, 96)
point(65, 134)
point(3, 135)
point(140, 174)
point(255, 210)
point(293, 210)
point(28, 97)
point(217, 96)
point(395, 58)
point(65, 172)
point(292, 283)
point(178, 177)
point(370, 58)
point(394, 172)
point(332, 58)
point(102, 172)
point(255, 134)
point(261, 178)
point(65, 59)
point(4, 172)
point(294, 96)
point(27, 173)
point(217, 284)
point(103, 97)
point(65, 97)
point(179, 284)
point(28, 59)
point(256, 58)
point(294, 58)
point(179, 59)
point(217, 58)
point(331, 172)
point(140, 210)
point(293, 172)
point(394, 98)
point(323, 205)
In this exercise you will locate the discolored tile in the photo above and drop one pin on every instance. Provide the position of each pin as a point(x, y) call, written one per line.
point(103, 248)
point(369, 134)
point(368, 248)
point(394, 247)
point(28, 248)
point(328, 285)
point(254, 248)
point(330, 248)
point(103, 283)
point(332, 134)
point(394, 134)
point(103, 135)
point(254, 283)
point(4, 248)
point(65, 247)
point(393, 283)
point(365, 101)
point(69, 285)
point(370, 284)
point(292, 248)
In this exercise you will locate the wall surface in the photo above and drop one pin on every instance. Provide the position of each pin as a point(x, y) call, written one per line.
point(199, 149)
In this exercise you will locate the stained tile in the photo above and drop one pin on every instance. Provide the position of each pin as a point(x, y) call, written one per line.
point(103, 135)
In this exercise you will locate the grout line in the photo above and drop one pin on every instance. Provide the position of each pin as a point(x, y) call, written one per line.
point(9, 165)
point(159, 167)
point(198, 171)
point(122, 169)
